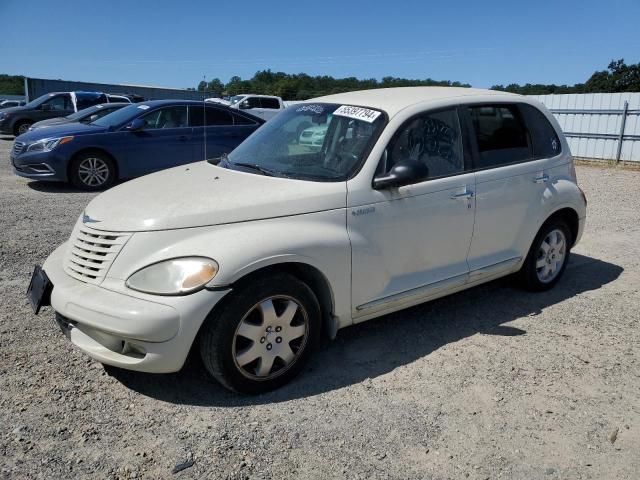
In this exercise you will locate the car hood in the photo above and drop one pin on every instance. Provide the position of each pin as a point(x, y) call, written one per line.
point(62, 130)
point(201, 194)
point(13, 109)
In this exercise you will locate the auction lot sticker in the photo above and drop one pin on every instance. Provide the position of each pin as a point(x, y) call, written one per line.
point(359, 113)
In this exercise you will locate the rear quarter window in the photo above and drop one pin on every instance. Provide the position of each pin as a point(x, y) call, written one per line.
point(543, 136)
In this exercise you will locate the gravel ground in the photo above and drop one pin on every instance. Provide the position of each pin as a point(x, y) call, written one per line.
point(489, 383)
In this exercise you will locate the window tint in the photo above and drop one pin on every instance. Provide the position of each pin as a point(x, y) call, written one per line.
point(84, 100)
point(242, 120)
point(433, 139)
point(251, 102)
point(59, 103)
point(215, 116)
point(501, 135)
point(270, 103)
point(168, 117)
point(544, 138)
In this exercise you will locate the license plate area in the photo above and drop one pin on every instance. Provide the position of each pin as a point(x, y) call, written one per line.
point(39, 291)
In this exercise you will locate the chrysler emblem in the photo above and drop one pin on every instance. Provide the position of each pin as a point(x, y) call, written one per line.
point(87, 219)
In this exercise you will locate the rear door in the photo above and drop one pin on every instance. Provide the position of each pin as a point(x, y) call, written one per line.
point(510, 186)
point(223, 131)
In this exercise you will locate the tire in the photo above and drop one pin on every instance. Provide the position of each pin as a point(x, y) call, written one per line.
point(262, 335)
point(543, 268)
point(92, 171)
point(21, 127)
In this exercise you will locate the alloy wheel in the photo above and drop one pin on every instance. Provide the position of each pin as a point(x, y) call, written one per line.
point(93, 172)
point(551, 256)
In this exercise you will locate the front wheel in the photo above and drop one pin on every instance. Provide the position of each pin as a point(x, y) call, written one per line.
point(92, 171)
point(20, 128)
point(548, 257)
point(263, 334)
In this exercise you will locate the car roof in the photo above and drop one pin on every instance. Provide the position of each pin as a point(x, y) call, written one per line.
point(392, 100)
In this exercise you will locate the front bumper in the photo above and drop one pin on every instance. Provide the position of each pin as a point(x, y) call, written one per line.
point(40, 165)
point(144, 333)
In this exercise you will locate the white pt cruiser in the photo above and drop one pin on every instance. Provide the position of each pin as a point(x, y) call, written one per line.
point(414, 194)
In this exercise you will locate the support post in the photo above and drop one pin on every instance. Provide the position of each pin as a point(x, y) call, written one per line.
point(622, 125)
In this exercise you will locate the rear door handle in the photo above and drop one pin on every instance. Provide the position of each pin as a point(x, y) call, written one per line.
point(183, 138)
point(541, 179)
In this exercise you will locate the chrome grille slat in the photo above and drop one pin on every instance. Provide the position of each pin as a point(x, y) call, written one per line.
point(17, 148)
point(91, 252)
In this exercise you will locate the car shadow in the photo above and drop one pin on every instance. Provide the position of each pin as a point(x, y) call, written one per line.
point(61, 187)
point(374, 348)
point(7, 139)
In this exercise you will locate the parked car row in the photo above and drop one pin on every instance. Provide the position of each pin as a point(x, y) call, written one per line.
point(92, 150)
point(415, 193)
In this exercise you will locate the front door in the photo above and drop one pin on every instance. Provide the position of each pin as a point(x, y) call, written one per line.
point(410, 243)
point(164, 142)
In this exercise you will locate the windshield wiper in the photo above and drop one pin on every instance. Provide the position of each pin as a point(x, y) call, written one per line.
point(253, 166)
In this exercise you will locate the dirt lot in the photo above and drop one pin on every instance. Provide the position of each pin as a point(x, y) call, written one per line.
point(489, 383)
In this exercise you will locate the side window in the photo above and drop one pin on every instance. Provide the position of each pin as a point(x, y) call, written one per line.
point(84, 101)
point(215, 116)
point(544, 138)
point(500, 134)
point(252, 102)
point(242, 120)
point(433, 139)
point(270, 103)
point(168, 117)
point(59, 103)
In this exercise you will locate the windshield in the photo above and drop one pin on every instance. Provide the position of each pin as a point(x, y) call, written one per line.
point(117, 118)
point(236, 98)
point(39, 100)
point(311, 141)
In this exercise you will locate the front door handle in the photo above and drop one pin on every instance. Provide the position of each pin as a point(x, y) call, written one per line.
point(541, 178)
point(466, 194)
point(183, 138)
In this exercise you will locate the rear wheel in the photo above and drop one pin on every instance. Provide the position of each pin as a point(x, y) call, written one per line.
point(92, 171)
point(263, 334)
point(548, 256)
point(21, 127)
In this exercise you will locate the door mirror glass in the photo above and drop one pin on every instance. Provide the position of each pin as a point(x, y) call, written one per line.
point(244, 105)
point(403, 173)
point(45, 107)
point(136, 125)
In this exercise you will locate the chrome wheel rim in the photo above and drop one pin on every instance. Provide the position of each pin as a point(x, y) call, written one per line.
point(270, 337)
point(93, 171)
point(551, 256)
point(24, 128)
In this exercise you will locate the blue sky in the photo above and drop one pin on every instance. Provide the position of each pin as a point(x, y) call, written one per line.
point(173, 44)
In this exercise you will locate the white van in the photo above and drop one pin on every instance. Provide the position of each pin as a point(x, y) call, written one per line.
point(414, 194)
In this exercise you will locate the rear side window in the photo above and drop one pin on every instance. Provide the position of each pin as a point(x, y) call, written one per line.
point(270, 103)
point(500, 134)
point(84, 100)
point(215, 116)
point(544, 138)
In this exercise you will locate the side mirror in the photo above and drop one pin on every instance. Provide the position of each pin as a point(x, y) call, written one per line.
point(45, 107)
point(136, 125)
point(402, 173)
point(244, 105)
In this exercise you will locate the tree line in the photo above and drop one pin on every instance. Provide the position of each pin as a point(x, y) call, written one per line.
point(618, 77)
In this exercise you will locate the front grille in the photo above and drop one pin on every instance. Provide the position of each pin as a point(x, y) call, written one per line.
point(307, 134)
point(17, 148)
point(91, 252)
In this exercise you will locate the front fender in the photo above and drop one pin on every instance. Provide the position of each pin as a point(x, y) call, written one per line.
point(319, 240)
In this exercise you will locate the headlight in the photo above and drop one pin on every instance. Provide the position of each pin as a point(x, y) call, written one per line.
point(3, 115)
point(178, 276)
point(47, 144)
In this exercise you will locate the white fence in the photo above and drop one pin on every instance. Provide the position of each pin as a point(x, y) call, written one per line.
point(599, 125)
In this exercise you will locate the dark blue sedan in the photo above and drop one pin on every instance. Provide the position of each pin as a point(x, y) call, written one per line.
point(133, 141)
